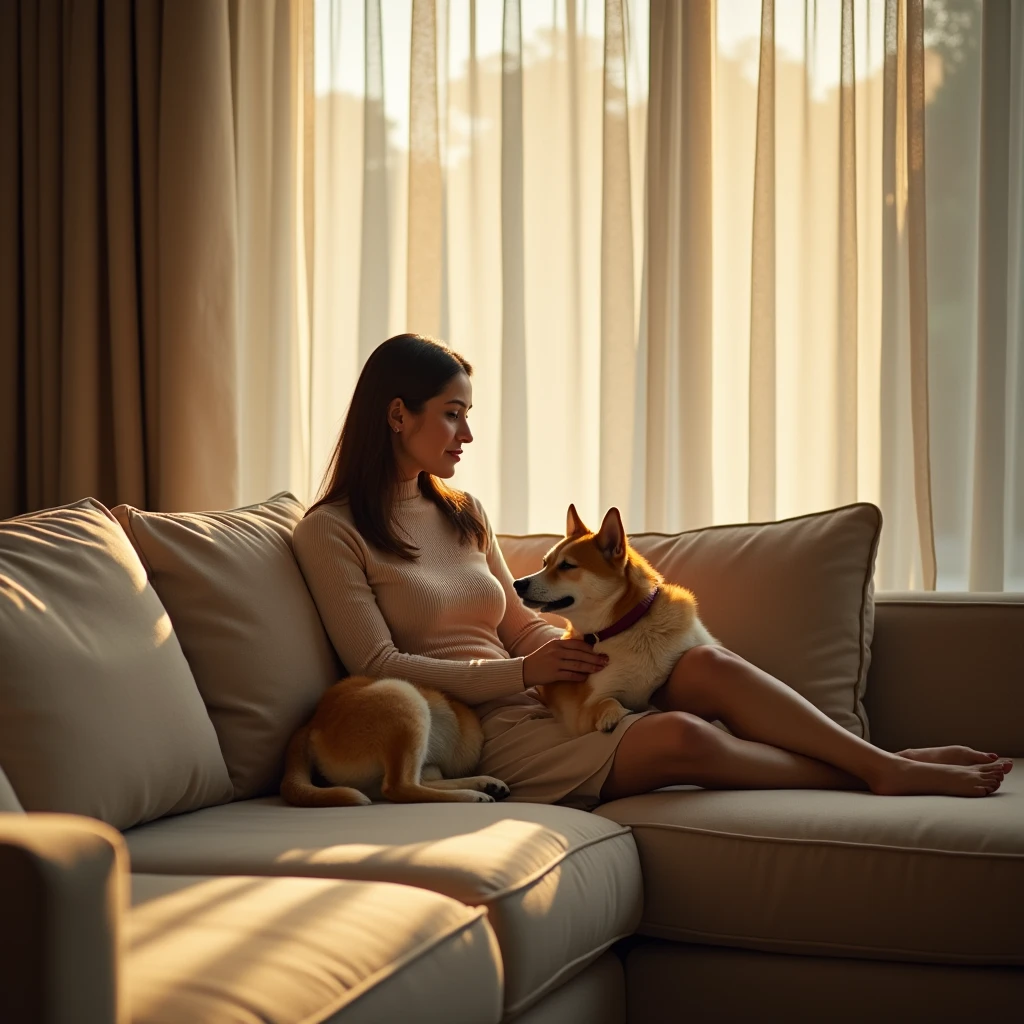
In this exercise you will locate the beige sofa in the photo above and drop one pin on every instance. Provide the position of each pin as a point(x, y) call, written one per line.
point(686, 904)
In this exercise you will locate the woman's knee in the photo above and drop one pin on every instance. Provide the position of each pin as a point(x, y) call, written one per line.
point(682, 736)
point(696, 674)
point(705, 662)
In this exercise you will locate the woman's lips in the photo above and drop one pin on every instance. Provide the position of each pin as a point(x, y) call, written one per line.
point(456, 454)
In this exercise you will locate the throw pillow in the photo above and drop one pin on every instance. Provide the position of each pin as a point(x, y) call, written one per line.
point(101, 715)
point(246, 622)
point(794, 597)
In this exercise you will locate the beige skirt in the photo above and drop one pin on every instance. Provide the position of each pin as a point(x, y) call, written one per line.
point(541, 762)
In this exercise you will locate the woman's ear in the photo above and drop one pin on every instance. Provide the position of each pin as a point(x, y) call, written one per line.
point(396, 415)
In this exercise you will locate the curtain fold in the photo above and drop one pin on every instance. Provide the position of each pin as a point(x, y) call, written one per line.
point(154, 304)
point(679, 240)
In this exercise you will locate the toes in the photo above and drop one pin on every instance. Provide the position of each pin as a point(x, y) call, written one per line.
point(497, 790)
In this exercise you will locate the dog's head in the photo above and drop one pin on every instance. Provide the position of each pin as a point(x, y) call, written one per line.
point(584, 574)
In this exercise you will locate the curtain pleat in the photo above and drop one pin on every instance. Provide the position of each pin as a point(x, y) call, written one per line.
point(1015, 327)
point(618, 327)
point(679, 484)
point(12, 415)
point(425, 229)
point(847, 363)
point(198, 258)
point(374, 263)
point(988, 519)
point(762, 428)
point(918, 290)
point(514, 492)
point(273, 351)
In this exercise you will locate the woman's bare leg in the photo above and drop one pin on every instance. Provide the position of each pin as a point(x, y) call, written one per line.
point(674, 749)
point(713, 683)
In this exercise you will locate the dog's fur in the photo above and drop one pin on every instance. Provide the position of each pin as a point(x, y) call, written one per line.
point(386, 738)
point(592, 580)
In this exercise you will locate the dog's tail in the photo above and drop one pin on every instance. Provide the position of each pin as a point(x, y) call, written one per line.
point(297, 785)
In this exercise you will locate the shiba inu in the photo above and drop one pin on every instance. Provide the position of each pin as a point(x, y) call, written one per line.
point(614, 599)
point(387, 738)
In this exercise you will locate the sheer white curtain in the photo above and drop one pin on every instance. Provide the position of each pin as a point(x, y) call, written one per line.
point(480, 177)
point(766, 295)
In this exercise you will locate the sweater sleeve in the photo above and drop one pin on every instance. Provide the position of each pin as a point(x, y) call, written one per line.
point(522, 630)
point(332, 557)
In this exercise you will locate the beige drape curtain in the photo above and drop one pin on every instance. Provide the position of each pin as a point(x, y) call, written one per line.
point(150, 279)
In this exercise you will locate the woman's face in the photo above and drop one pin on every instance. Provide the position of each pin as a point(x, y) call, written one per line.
point(431, 441)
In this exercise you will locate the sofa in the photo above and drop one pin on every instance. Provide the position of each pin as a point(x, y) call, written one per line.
point(152, 667)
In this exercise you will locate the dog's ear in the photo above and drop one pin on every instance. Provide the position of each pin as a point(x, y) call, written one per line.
point(611, 538)
point(573, 524)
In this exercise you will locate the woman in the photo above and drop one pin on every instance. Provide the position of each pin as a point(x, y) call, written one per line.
point(410, 583)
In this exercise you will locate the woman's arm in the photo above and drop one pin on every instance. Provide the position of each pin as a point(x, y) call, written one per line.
point(522, 630)
point(332, 559)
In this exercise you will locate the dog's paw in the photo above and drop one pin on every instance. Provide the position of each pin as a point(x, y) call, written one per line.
point(497, 789)
point(608, 720)
point(482, 798)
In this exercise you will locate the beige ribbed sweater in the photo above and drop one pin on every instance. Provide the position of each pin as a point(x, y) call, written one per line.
point(451, 619)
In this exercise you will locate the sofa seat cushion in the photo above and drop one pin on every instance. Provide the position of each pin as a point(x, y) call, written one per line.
point(932, 879)
point(559, 885)
point(300, 949)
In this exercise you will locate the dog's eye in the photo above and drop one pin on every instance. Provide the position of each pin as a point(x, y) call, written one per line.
point(562, 566)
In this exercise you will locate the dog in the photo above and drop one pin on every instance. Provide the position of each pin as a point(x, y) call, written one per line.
point(388, 739)
point(614, 599)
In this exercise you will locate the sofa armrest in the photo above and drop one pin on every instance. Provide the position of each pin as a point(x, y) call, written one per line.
point(63, 887)
point(947, 668)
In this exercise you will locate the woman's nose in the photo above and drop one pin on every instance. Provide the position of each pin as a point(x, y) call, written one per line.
point(466, 435)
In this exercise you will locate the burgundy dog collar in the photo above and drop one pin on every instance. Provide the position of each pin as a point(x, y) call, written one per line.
point(633, 616)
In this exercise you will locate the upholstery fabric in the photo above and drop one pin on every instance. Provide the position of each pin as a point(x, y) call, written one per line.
point(101, 715)
point(723, 986)
point(794, 597)
point(9, 802)
point(246, 622)
point(63, 887)
point(596, 996)
point(559, 885)
point(946, 668)
point(223, 950)
point(933, 879)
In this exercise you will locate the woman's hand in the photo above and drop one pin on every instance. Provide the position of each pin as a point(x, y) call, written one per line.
point(562, 661)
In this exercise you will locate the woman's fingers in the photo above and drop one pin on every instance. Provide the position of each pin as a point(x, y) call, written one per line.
point(577, 645)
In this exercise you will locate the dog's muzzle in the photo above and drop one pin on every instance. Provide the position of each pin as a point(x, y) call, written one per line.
point(523, 585)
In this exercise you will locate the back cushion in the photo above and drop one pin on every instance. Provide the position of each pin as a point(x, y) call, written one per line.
point(247, 624)
point(793, 597)
point(101, 715)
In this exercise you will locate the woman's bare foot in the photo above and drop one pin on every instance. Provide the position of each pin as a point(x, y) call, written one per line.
point(904, 776)
point(955, 754)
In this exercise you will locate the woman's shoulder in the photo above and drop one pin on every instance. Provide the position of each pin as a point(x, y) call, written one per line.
point(324, 524)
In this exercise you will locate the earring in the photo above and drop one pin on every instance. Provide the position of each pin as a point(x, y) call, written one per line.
point(396, 430)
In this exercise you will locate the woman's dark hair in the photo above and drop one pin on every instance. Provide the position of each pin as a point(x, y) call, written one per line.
point(363, 471)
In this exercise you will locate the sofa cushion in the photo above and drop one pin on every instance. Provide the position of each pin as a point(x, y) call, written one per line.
point(222, 950)
point(246, 623)
point(101, 715)
point(929, 878)
point(8, 798)
point(559, 885)
point(794, 597)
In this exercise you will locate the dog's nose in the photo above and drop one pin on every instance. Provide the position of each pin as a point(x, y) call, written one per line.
point(521, 586)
